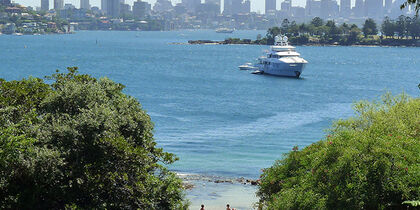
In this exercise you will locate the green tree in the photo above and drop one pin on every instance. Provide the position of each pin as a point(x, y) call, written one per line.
point(79, 142)
point(271, 34)
point(317, 22)
point(416, 4)
point(369, 161)
point(369, 27)
point(388, 27)
point(401, 26)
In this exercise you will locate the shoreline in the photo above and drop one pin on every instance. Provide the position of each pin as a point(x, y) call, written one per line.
point(214, 192)
point(212, 42)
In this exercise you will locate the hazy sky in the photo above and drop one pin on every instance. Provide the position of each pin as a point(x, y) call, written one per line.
point(256, 5)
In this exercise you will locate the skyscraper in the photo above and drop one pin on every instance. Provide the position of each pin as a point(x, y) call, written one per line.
point(104, 6)
point(388, 7)
point(345, 8)
point(84, 4)
point(218, 2)
point(58, 4)
point(5, 2)
point(374, 8)
point(286, 6)
point(113, 8)
point(359, 9)
point(215, 2)
point(227, 9)
point(141, 9)
point(45, 5)
point(191, 5)
point(270, 5)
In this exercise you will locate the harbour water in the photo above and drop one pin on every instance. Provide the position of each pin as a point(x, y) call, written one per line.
point(218, 120)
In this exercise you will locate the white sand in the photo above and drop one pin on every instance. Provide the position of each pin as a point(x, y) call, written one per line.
point(215, 196)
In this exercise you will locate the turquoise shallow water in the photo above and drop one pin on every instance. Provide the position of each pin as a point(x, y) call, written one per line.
point(219, 120)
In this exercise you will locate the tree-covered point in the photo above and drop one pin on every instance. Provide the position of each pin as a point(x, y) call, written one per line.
point(79, 142)
point(402, 31)
point(370, 161)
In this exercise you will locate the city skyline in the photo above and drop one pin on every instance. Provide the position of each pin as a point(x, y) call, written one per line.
point(256, 5)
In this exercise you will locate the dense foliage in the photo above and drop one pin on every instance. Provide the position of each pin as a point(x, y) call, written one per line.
point(403, 31)
point(79, 142)
point(370, 161)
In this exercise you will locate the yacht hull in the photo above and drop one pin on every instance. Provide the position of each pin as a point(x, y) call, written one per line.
point(283, 69)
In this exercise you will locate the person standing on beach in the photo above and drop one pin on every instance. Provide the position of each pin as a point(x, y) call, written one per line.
point(228, 207)
point(202, 207)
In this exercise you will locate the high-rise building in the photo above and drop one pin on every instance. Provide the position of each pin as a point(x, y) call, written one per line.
point(329, 9)
point(345, 8)
point(270, 6)
point(359, 9)
point(5, 2)
point(388, 7)
point(191, 5)
point(227, 7)
point(162, 6)
point(236, 6)
point(45, 5)
point(58, 4)
point(141, 9)
point(218, 2)
point(286, 6)
point(104, 6)
point(84, 4)
point(113, 8)
point(374, 8)
point(246, 7)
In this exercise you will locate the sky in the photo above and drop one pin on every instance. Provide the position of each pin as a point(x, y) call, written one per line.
point(256, 5)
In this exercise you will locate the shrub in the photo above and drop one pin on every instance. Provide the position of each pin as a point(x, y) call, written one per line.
point(370, 161)
point(80, 142)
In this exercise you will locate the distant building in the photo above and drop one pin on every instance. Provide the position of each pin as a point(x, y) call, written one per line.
point(214, 2)
point(45, 5)
point(388, 7)
point(141, 9)
point(84, 4)
point(69, 6)
point(191, 5)
point(359, 9)
point(286, 6)
point(125, 8)
point(345, 8)
point(162, 6)
point(246, 7)
point(9, 28)
point(227, 7)
point(5, 2)
point(313, 8)
point(104, 5)
point(270, 6)
point(374, 8)
point(217, 2)
point(58, 5)
point(329, 9)
point(113, 8)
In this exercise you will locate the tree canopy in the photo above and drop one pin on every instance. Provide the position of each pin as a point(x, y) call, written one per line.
point(80, 142)
point(370, 161)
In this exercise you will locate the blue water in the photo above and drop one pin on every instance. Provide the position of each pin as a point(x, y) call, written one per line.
point(217, 119)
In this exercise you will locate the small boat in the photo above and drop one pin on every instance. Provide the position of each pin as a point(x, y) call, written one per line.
point(225, 30)
point(247, 66)
point(257, 72)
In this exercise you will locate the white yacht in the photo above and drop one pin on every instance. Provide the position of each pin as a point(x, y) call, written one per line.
point(225, 30)
point(281, 60)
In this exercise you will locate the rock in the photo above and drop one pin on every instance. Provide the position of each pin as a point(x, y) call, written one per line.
point(188, 186)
